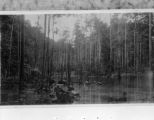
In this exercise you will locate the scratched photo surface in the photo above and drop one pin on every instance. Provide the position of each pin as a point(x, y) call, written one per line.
point(74, 4)
point(77, 58)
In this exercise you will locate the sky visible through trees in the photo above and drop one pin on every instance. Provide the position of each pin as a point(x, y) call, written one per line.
point(84, 58)
point(66, 22)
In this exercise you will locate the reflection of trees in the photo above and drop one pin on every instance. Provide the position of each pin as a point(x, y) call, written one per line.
point(96, 49)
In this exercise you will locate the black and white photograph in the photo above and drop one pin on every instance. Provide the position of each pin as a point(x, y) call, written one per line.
point(92, 58)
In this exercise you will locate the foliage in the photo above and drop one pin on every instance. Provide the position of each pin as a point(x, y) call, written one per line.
point(97, 49)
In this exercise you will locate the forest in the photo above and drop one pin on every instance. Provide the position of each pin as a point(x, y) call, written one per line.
point(97, 61)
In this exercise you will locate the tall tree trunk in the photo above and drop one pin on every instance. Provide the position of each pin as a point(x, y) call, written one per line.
point(48, 44)
point(36, 46)
point(10, 55)
point(126, 53)
point(52, 51)
point(43, 62)
point(150, 78)
point(68, 65)
point(150, 42)
point(110, 38)
point(135, 56)
point(21, 72)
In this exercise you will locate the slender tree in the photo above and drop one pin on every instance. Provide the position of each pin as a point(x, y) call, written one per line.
point(21, 73)
point(10, 54)
point(44, 45)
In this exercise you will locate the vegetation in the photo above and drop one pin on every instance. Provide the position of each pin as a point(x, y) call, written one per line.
point(37, 69)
